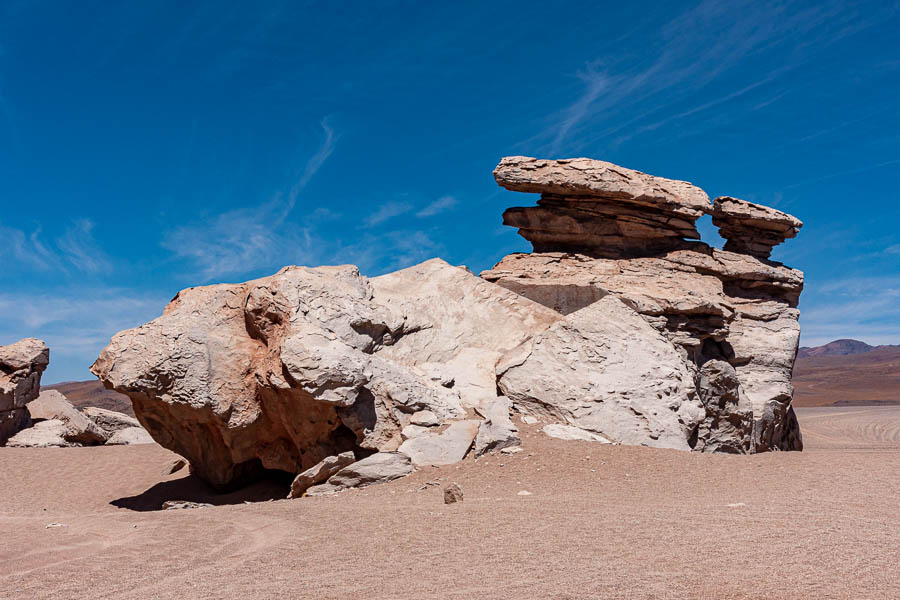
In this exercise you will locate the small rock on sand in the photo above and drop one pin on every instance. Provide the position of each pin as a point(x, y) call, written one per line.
point(453, 493)
point(174, 466)
point(182, 504)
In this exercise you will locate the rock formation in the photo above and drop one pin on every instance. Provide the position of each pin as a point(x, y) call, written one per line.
point(751, 228)
point(731, 314)
point(80, 430)
point(56, 422)
point(596, 205)
point(21, 365)
point(285, 371)
point(618, 328)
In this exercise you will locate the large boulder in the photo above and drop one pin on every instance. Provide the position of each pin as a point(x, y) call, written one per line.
point(284, 371)
point(21, 366)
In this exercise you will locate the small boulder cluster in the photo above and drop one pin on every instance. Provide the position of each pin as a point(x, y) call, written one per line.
point(41, 419)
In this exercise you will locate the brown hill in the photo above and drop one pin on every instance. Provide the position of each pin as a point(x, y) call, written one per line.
point(870, 378)
point(92, 393)
point(836, 348)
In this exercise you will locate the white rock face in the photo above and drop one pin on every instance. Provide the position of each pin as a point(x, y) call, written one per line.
point(320, 473)
point(444, 448)
point(80, 430)
point(45, 434)
point(458, 325)
point(21, 366)
point(377, 468)
point(129, 436)
point(606, 370)
point(497, 431)
point(570, 433)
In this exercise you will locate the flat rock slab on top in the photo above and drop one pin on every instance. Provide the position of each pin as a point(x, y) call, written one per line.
point(588, 177)
point(600, 208)
point(752, 228)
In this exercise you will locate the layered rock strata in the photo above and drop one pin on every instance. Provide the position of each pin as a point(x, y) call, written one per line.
point(600, 207)
point(752, 228)
point(21, 366)
point(732, 315)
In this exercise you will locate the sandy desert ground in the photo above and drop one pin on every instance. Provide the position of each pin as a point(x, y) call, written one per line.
point(600, 522)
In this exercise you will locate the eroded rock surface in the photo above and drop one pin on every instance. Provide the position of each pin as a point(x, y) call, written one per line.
point(377, 468)
point(730, 315)
point(21, 366)
point(284, 371)
point(596, 205)
point(752, 228)
point(80, 430)
point(109, 420)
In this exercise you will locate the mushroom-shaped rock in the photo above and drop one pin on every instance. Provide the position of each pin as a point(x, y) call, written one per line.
point(21, 366)
point(750, 228)
point(600, 207)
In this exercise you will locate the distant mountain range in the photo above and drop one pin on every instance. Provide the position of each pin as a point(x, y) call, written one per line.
point(847, 373)
point(836, 348)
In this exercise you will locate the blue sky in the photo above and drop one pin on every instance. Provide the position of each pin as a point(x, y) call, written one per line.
point(150, 146)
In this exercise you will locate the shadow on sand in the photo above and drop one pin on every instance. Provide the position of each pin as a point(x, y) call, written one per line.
point(194, 489)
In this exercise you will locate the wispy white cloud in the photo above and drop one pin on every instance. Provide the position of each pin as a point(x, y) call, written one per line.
point(865, 308)
point(387, 211)
point(76, 324)
point(623, 96)
point(243, 240)
point(240, 241)
point(312, 167)
point(441, 205)
point(385, 252)
point(75, 250)
point(895, 249)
